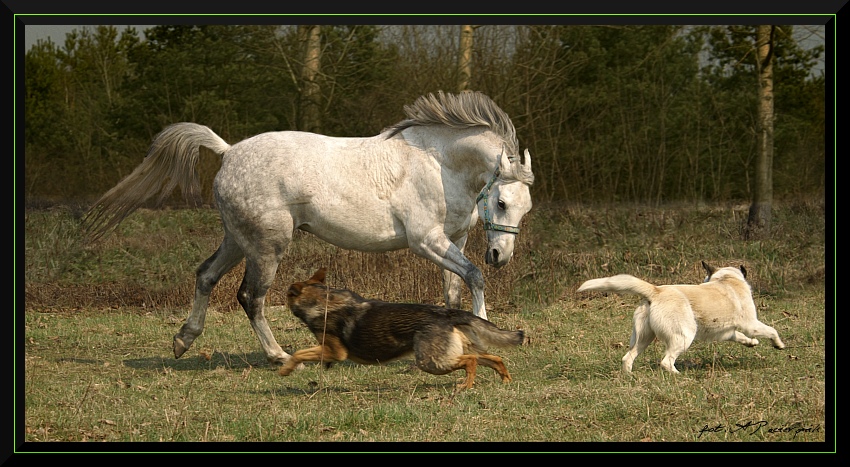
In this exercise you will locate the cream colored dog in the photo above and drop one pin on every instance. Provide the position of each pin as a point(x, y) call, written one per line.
point(719, 309)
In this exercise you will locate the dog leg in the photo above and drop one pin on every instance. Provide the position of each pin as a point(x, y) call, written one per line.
point(732, 335)
point(497, 364)
point(468, 363)
point(318, 353)
point(759, 329)
point(642, 336)
point(675, 344)
point(669, 360)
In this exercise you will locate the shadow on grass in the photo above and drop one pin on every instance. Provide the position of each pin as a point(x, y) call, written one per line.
point(312, 387)
point(313, 372)
point(234, 361)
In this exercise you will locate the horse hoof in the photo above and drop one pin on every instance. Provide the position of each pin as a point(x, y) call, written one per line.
point(179, 347)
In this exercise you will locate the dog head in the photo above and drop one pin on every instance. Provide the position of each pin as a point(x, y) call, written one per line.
point(311, 296)
point(296, 288)
point(719, 273)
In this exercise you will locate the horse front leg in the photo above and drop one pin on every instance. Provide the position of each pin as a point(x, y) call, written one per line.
point(452, 282)
point(437, 248)
point(207, 276)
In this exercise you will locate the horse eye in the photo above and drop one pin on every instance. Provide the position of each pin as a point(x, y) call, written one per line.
point(501, 205)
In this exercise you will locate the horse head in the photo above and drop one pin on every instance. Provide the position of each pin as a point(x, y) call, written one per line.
point(501, 205)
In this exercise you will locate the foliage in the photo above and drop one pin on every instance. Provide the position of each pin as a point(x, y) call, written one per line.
point(799, 103)
point(74, 92)
point(610, 112)
point(224, 76)
point(359, 81)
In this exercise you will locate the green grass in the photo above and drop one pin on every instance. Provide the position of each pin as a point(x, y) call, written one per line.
point(98, 321)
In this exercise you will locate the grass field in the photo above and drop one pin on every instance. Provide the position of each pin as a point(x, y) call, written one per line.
point(95, 363)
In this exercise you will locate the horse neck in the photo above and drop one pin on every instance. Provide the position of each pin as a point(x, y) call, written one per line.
point(471, 153)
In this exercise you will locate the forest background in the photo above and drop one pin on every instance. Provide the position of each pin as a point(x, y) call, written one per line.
point(645, 142)
point(610, 113)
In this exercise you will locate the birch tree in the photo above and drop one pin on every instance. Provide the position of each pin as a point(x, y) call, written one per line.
point(758, 221)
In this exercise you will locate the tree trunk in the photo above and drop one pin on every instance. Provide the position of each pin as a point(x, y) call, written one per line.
point(758, 221)
point(310, 93)
point(464, 63)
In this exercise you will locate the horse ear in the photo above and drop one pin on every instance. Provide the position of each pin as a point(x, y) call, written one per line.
point(505, 162)
point(319, 276)
point(525, 159)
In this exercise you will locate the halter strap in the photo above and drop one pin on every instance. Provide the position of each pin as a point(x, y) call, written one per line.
point(484, 194)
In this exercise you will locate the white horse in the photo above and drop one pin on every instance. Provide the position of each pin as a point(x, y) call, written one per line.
point(419, 184)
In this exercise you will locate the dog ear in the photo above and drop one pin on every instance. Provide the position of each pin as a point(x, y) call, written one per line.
point(744, 271)
point(318, 277)
point(708, 268)
point(709, 271)
point(294, 289)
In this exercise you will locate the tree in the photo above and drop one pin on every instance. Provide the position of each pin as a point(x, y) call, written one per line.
point(765, 97)
point(615, 112)
point(361, 78)
point(310, 89)
point(758, 221)
point(611, 105)
point(464, 64)
point(72, 93)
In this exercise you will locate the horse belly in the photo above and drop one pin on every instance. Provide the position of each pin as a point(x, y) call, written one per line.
point(361, 234)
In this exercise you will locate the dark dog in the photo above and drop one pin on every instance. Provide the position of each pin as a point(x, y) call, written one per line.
point(350, 327)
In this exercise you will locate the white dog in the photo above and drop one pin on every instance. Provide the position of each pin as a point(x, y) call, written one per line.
point(719, 309)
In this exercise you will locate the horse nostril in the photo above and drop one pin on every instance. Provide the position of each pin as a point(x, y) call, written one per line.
point(495, 255)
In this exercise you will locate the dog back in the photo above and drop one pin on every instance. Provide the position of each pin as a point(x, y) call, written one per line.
point(725, 298)
point(375, 331)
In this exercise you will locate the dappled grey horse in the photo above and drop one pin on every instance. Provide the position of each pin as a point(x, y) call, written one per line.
point(419, 184)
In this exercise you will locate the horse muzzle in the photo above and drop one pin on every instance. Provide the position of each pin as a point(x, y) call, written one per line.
point(497, 258)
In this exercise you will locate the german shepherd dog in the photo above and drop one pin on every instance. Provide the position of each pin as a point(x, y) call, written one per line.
point(719, 309)
point(350, 327)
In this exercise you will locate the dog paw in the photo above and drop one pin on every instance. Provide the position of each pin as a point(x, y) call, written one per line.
point(286, 369)
point(466, 384)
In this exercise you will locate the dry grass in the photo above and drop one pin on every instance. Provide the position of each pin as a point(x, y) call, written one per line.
point(98, 320)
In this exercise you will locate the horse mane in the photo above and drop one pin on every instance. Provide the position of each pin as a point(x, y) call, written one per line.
point(463, 110)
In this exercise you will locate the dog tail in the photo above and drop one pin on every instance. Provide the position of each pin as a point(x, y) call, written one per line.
point(486, 334)
point(621, 284)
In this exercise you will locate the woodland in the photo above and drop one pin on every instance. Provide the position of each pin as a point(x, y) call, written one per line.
point(610, 113)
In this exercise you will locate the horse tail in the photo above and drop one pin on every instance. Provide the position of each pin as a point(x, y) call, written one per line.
point(170, 161)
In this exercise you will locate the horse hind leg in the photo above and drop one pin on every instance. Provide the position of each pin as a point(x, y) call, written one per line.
point(260, 271)
point(207, 276)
